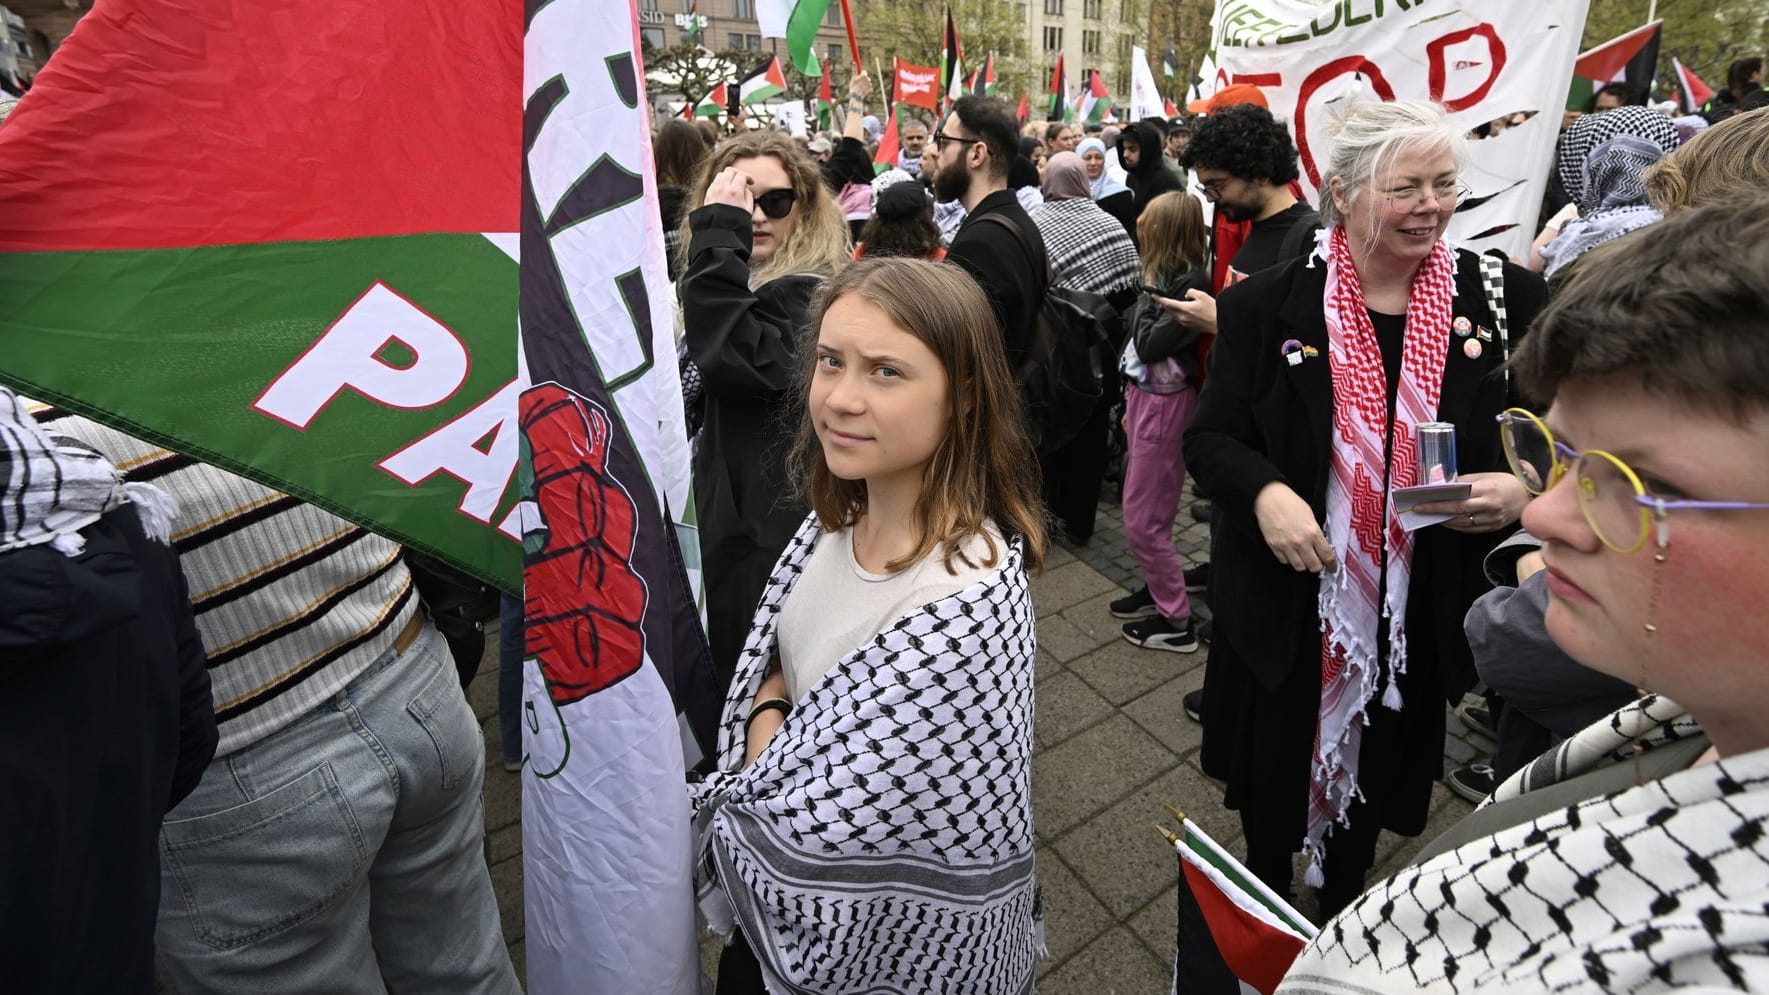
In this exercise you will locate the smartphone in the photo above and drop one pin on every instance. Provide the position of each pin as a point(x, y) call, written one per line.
point(1149, 288)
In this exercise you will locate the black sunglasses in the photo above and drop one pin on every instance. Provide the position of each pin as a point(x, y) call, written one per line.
point(777, 204)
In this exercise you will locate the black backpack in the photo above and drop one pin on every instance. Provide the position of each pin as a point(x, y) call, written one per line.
point(1068, 351)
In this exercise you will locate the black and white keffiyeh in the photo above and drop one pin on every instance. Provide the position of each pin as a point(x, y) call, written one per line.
point(882, 843)
point(1661, 886)
point(52, 487)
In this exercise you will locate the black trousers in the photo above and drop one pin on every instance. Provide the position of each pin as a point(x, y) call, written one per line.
point(1073, 474)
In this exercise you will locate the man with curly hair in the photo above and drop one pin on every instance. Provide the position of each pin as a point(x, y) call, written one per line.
point(1245, 164)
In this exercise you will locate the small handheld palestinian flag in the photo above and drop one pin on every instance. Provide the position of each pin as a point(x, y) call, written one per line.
point(1696, 94)
point(1058, 95)
point(1095, 101)
point(1631, 58)
point(890, 146)
point(1171, 108)
point(951, 62)
point(982, 82)
point(1169, 62)
point(1025, 110)
point(713, 104)
point(766, 82)
point(825, 104)
point(1235, 934)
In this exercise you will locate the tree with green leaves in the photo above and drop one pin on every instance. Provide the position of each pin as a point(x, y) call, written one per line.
point(1185, 23)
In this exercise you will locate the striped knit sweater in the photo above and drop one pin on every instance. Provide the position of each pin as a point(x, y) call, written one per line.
point(292, 602)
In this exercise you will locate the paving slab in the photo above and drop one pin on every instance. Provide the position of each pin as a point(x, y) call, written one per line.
point(1082, 775)
point(1122, 671)
point(1073, 918)
point(1161, 713)
point(1066, 706)
point(1115, 964)
point(1067, 586)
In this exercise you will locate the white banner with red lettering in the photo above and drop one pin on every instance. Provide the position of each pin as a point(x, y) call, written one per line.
point(1482, 61)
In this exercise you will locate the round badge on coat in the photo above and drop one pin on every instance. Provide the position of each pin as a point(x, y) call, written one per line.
point(1471, 348)
point(1462, 327)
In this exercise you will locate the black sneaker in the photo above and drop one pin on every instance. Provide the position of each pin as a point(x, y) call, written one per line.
point(1479, 719)
point(1137, 604)
point(1197, 578)
point(1473, 782)
point(1194, 705)
point(1160, 634)
point(1203, 512)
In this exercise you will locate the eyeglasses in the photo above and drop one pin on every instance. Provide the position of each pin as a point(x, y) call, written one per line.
point(1409, 197)
point(1615, 503)
point(777, 204)
point(941, 138)
point(1212, 189)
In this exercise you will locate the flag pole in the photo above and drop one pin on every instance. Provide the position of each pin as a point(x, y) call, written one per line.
point(1195, 831)
point(853, 39)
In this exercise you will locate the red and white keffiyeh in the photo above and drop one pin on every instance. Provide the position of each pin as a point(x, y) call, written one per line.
point(1359, 523)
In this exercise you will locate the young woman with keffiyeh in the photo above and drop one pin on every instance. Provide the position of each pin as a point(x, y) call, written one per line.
point(869, 827)
point(1338, 635)
point(1633, 858)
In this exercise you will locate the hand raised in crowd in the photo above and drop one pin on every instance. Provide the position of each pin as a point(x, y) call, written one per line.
point(860, 86)
point(1496, 502)
point(731, 187)
point(1198, 310)
point(1289, 527)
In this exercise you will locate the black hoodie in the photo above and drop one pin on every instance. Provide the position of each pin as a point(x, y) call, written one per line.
point(1149, 178)
point(105, 724)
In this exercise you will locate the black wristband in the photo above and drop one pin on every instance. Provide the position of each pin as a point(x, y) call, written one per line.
point(780, 705)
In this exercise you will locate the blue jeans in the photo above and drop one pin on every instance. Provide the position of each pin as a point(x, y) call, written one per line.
point(510, 649)
point(343, 853)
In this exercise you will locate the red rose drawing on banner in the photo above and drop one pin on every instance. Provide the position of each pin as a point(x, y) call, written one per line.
point(583, 601)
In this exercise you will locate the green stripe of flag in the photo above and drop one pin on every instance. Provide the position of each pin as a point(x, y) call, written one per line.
point(187, 340)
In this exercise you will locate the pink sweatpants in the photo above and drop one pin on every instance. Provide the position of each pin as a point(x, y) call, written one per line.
point(1154, 480)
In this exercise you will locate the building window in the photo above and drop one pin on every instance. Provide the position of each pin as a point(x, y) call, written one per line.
point(1053, 6)
point(834, 17)
point(647, 4)
point(1092, 9)
point(835, 55)
point(746, 8)
point(1053, 39)
point(650, 38)
point(1128, 12)
point(1090, 43)
point(753, 42)
point(736, 43)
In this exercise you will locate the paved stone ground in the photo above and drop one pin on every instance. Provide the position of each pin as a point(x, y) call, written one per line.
point(1112, 746)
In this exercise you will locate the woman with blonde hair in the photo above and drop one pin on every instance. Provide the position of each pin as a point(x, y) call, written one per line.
point(869, 824)
point(1724, 164)
point(1338, 632)
point(761, 235)
point(1160, 367)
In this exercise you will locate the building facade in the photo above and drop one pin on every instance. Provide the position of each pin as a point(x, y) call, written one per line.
point(730, 25)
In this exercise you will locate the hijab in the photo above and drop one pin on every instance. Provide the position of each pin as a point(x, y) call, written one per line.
point(1104, 186)
point(1065, 177)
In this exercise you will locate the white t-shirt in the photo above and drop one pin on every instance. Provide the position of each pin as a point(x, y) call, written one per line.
point(837, 605)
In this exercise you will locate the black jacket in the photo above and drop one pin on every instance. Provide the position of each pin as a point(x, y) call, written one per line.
point(1150, 177)
point(993, 257)
point(105, 724)
point(1261, 420)
point(743, 341)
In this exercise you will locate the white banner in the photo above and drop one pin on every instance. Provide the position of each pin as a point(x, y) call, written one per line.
point(1481, 61)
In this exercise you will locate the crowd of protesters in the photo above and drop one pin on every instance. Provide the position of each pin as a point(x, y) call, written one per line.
point(300, 776)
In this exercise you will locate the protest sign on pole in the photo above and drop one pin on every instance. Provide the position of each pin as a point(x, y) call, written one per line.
point(1145, 96)
point(1482, 62)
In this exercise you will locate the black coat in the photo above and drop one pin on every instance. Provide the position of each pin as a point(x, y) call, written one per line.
point(1261, 420)
point(993, 257)
point(105, 724)
point(743, 341)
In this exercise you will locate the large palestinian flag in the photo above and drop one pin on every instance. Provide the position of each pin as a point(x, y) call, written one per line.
point(282, 238)
point(1630, 58)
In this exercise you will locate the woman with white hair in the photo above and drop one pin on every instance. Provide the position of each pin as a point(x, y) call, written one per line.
point(1338, 632)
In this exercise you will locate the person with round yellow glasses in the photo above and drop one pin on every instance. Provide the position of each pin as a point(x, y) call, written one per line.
point(1635, 857)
